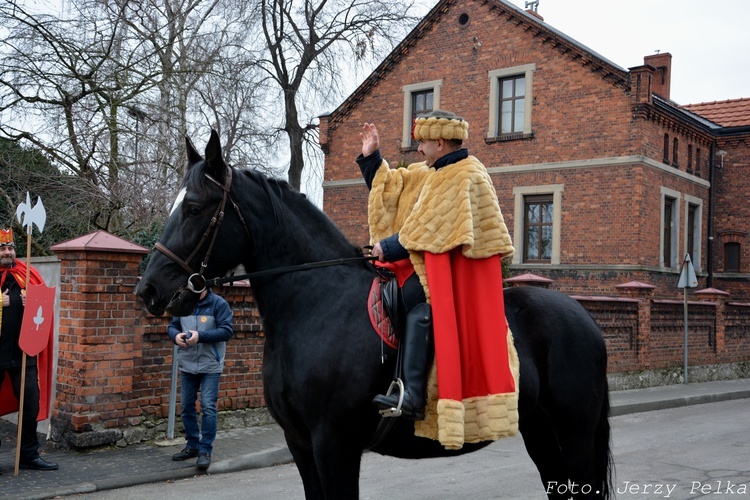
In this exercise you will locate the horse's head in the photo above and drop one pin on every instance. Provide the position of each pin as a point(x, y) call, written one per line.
point(196, 243)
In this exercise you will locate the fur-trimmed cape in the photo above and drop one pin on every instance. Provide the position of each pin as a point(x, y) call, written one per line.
point(450, 221)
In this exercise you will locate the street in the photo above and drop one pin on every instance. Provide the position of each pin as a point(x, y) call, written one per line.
point(684, 453)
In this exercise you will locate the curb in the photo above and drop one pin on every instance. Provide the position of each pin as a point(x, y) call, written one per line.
point(677, 402)
point(259, 459)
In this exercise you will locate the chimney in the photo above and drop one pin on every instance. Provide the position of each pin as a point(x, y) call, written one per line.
point(663, 74)
point(532, 8)
point(323, 133)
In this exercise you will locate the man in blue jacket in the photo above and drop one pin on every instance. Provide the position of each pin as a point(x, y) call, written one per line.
point(201, 339)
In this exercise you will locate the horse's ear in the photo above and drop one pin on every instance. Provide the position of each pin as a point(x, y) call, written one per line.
point(215, 166)
point(192, 155)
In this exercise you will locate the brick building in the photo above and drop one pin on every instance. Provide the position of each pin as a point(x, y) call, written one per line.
point(602, 178)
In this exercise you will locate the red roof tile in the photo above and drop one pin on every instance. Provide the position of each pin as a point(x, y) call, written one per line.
point(731, 113)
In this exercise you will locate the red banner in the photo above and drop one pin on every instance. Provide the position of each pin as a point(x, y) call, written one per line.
point(38, 319)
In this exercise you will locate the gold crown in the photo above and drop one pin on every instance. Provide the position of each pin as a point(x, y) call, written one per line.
point(440, 125)
point(6, 237)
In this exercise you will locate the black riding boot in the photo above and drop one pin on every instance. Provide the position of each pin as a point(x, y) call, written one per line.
point(415, 360)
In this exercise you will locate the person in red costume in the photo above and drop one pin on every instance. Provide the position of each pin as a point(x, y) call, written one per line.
point(13, 286)
point(438, 225)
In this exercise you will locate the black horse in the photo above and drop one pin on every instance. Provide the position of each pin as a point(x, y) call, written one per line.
point(322, 360)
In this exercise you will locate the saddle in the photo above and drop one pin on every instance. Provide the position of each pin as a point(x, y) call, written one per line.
point(382, 305)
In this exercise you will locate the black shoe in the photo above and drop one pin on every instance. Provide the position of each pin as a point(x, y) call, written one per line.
point(204, 460)
point(38, 463)
point(415, 356)
point(408, 411)
point(185, 454)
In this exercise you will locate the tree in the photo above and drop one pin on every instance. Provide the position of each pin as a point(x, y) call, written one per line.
point(65, 197)
point(312, 47)
point(110, 91)
point(65, 94)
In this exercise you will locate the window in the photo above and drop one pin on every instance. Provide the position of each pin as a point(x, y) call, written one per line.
point(669, 228)
point(537, 224)
point(665, 159)
point(419, 98)
point(510, 102)
point(693, 221)
point(697, 161)
point(421, 102)
point(731, 257)
point(675, 150)
point(690, 239)
point(690, 159)
point(668, 235)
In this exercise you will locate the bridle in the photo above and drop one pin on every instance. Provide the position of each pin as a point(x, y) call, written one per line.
point(197, 283)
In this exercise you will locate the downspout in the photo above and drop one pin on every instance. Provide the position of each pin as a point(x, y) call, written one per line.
point(711, 190)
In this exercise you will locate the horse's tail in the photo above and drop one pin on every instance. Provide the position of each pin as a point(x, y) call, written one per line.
point(604, 464)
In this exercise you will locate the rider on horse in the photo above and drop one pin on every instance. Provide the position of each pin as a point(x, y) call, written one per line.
point(438, 225)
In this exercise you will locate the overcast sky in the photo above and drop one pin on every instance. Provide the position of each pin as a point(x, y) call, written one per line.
point(709, 39)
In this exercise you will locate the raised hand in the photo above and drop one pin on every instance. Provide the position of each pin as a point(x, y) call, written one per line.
point(370, 139)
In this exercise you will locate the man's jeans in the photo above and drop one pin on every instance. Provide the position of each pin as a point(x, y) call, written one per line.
point(208, 383)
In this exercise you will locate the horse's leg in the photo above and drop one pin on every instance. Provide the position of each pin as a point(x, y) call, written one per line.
point(584, 442)
point(308, 470)
point(577, 445)
point(338, 456)
point(542, 446)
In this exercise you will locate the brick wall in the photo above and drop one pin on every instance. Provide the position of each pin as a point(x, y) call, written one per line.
point(115, 360)
point(732, 209)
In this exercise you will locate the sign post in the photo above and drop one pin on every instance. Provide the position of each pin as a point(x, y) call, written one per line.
point(687, 280)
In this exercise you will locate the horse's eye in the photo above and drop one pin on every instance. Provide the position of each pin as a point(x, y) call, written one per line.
point(194, 210)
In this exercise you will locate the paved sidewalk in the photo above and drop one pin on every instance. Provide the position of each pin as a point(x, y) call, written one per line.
point(255, 447)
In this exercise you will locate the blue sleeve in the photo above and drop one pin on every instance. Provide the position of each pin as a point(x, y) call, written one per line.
point(224, 326)
point(393, 250)
point(369, 166)
point(174, 327)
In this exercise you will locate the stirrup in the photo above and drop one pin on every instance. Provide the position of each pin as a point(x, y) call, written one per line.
point(394, 411)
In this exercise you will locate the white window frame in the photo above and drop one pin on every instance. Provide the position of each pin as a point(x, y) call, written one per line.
point(519, 195)
point(410, 90)
point(677, 197)
point(495, 76)
point(697, 230)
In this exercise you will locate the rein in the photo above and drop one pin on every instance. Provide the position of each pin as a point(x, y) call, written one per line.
point(288, 269)
point(197, 283)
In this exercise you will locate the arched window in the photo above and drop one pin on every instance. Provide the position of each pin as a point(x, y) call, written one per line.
point(731, 257)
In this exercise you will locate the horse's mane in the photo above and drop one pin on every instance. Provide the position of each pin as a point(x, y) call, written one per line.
point(274, 189)
point(288, 206)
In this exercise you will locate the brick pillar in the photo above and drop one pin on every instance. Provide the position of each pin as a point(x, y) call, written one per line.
point(718, 297)
point(323, 133)
point(641, 79)
point(97, 344)
point(644, 293)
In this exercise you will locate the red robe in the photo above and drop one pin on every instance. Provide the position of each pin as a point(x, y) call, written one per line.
point(8, 400)
point(471, 348)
